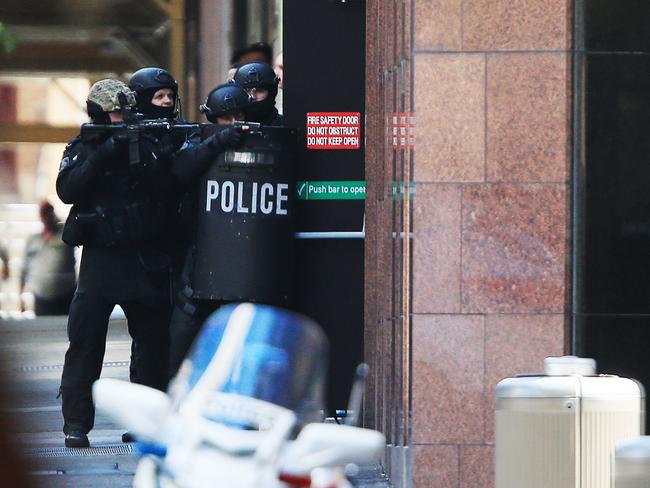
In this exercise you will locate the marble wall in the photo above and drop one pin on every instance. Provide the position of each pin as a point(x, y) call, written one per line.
point(480, 292)
point(389, 162)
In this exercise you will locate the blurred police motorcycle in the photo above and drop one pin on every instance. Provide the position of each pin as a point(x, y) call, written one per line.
point(244, 411)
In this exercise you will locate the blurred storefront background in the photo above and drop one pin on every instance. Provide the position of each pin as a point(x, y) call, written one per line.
point(51, 53)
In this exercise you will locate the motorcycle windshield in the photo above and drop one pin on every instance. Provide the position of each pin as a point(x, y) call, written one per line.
point(261, 352)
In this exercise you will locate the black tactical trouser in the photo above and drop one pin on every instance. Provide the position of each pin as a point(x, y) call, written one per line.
point(87, 328)
point(187, 318)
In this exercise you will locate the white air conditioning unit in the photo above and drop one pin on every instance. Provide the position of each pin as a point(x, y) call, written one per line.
point(558, 430)
point(632, 463)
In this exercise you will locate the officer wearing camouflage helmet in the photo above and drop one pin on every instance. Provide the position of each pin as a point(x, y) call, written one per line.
point(118, 216)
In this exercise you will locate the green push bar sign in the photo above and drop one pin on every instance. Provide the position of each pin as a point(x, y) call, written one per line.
point(331, 190)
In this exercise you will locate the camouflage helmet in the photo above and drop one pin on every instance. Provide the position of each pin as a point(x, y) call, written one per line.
point(104, 94)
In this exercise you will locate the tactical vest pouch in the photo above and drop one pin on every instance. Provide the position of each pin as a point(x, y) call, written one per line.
point(109, 229)
point(136, 224)
point(133, 225)
point(144, 221)
point(78, 227)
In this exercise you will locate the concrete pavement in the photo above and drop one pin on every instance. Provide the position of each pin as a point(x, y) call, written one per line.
point(31, 355)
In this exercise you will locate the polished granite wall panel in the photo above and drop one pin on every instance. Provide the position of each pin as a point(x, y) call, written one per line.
point(387, 219)
point(438, 25)
point(527, 140)
point(476, 467)
point(437, 467)
point(448, 379)
point(436, 248)
point(377, 256)
point(449, 103)
point(514, 248)
point(378, 320)
point(516, 25)
point(517, 344)
point(454, 86)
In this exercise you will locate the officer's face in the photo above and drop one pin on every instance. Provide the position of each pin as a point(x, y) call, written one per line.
point(258, 94)
point(279, 68)
point(163, 98)
point(230, 119)
point(115, 117)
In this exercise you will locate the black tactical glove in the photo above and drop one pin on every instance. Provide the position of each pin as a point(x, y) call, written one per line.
point(165, 145)
point(230, 137)
point(110, 148)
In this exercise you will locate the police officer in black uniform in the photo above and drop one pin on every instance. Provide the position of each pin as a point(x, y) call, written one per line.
point(118, 215)
point(224, 105)
point(156, 93)
point(261, 83)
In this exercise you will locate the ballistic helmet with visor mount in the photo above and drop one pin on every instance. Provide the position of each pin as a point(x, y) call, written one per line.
point(259, 76)
point(226, 99)
point(145, 83)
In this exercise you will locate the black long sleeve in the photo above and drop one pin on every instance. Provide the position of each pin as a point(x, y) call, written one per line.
point(77, 174)
point(193, 159)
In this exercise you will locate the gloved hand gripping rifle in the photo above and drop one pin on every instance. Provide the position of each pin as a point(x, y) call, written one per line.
point(134, 125)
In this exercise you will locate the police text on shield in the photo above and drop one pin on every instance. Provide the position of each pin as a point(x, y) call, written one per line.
point(232, 196)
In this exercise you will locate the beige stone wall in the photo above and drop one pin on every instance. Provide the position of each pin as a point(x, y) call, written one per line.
point(489, 258)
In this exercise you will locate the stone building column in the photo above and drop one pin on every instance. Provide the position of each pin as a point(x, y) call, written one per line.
point(488, 271)
point(214, 44)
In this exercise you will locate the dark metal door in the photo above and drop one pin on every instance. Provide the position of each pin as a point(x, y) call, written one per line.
point(324, 73)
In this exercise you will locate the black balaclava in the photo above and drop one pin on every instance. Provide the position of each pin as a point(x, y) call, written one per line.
point(151, 111)
point(147, 81)
point(259, 75)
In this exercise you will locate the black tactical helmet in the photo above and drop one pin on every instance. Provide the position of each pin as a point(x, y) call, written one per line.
point(226, 99)
point(259, 75)
point(147, 81)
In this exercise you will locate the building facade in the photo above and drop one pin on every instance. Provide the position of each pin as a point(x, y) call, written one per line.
point(506, 211)
point(468, 263)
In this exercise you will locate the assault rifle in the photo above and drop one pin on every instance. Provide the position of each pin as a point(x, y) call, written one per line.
point(247, 126)
point(134, 125)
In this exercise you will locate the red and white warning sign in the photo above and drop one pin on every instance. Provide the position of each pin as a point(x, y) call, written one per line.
point(333, 130)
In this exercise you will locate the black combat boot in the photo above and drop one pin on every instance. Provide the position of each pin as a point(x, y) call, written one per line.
point(78, 416)
point(76, 439)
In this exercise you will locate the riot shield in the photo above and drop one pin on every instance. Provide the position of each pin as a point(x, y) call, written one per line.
point(245, 226)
